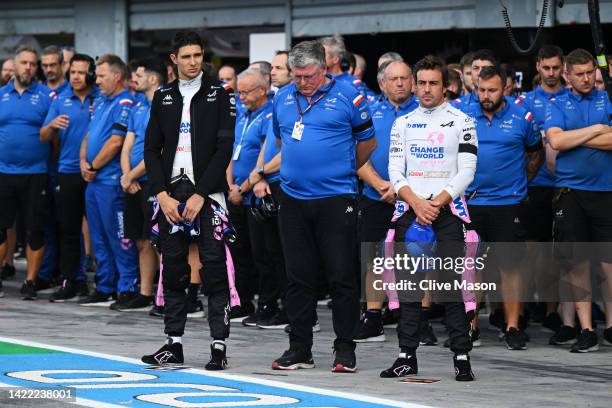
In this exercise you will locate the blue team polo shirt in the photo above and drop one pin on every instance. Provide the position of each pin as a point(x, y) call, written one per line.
point(67, 103)
point(249, 134)
point(111, 115)
point(60, 89)
point(271, 149)
point(463, 102)
point(582, 168)
point(535, 102)
point(500, 171)
point(321, 164)
point(383, 116)
point(356, 82)
point(139, 119)
point(21, 117)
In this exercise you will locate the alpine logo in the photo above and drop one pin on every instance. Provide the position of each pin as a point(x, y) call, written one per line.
point(212, 94)
point(448, 124)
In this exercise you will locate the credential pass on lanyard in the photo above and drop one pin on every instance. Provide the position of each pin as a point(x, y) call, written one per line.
point(298, 128)
point(245, 129)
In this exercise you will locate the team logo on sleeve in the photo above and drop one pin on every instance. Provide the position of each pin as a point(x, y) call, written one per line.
point(358, 100)
point(126, 101)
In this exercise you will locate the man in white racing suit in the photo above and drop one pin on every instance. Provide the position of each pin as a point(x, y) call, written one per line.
point(432, 160)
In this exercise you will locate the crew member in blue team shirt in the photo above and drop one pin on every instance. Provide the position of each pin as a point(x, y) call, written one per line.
point(249, 134)
point(505, 132)
point(481, 59)
point(265, 179)
point(578, 127)
point(116, 255)
point(149, 76)
point(66, 123)
point(376, 203)
point(24, 184)
point(51, 63)
point(334, 53)
point(538, 208)
point(326, 132)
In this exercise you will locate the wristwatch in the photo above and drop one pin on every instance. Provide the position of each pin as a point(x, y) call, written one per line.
point(260, 171)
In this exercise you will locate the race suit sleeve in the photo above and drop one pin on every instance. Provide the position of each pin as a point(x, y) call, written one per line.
point(466, 160)
point(397, 158)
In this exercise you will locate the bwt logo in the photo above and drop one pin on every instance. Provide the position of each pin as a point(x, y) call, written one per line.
point(416, 125)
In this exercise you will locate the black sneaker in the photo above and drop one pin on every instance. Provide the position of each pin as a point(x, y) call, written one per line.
point(157, 311)
point(97, 299)
point(170, 353)
point(8, 271)
point(218, 359)
point(264, 312)
point(607, 334)
point(124, 299)
point(426, 334)
point(138, 302)
point(564, 336)
point(315, 328)
point(587, 341)
point(463, 368)
point(82, 289)
point(293, 359)
point(277, 322)
point(515, 340)
point(28, 290)
point(370, 331)
point(345, 360)
point(90, 264)
point(42, 284)
point(67, 291)
point(238, 313)
point(403, 366)
point(552, 322)
point(389, 318)
point(194, 309)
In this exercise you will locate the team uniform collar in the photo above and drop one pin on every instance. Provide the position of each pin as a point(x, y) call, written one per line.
point(429, 111)
point(588, 96)
point(403, 106)
point(261, 108)
point(541, 92)
point(32, 88)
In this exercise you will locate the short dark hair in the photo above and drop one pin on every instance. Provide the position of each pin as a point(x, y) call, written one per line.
point(82, 58)
point(185, 38)
point(493, 71)
point(550, 51)
point(455, 78)
point(466, 60)
point(155, 67)
point(484, 55)
point(286, 53)
point(432, 62)
point(578, 57)
point(54, 49)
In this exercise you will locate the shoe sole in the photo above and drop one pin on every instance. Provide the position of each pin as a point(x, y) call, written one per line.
point(249, 324)
point(604, 341)
point(297, 366)
point(272, 327)
point(422, 343)
point(238, 319)
point(340, 368)
point(195, 314)
point(98, 304)
point(135, 309)
point(373, 339)
point(477, 343)
point(588, 350)
point(316, 329)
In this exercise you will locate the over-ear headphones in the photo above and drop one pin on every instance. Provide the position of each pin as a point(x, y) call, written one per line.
point(90, 77)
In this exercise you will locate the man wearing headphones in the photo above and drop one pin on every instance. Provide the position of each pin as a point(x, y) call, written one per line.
point(66, 124)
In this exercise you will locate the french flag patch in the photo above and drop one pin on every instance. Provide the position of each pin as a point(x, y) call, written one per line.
point(226, 86)
point(269, 115)
point(358, 100)
point(126, 101)
point(528, 116)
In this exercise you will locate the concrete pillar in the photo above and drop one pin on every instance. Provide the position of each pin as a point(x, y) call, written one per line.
point(101, 27)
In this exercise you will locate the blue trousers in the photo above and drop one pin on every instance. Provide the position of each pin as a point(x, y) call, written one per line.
point(116, 256)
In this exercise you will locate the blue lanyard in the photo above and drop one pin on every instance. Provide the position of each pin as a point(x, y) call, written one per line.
point(248, 125)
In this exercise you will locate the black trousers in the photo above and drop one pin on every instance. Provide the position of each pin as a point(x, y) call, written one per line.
point(246, 273)
point(320, 232)
point(450, 243)
point(72, 208)
point(268, 255)
point(177, 273)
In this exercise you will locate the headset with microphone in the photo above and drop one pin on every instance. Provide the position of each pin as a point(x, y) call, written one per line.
point(90, 77)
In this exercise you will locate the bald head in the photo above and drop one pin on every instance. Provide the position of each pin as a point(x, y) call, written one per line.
point(397, 81)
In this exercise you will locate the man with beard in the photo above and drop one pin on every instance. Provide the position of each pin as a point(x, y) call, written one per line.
point(480, 59)
point(51, 62)
point(538, 209)
point(23, 161)
point(505, 132)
